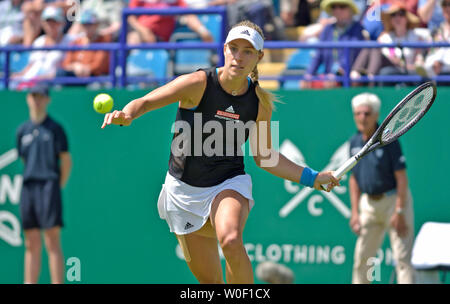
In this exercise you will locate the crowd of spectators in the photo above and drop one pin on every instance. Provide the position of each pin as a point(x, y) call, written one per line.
point(40, 23)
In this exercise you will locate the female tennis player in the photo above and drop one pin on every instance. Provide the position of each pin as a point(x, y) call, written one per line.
point(207, 198)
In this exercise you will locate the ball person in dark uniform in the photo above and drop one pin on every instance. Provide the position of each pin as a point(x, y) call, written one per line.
point(43, 147)
point(380, 198)
point(207, 196)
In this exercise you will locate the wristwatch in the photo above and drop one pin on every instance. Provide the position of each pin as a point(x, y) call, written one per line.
point(399, 210)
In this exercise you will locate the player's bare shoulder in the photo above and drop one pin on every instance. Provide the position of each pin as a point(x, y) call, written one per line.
point(194, 84)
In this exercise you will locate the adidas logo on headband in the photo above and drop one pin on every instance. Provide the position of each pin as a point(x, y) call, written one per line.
point(245, 32)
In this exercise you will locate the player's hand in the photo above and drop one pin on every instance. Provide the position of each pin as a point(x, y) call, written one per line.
point(326, 178)
point(398, 222)
point(355, 224)
point(117, 118)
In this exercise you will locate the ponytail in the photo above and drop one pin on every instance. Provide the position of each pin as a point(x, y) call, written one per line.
point(265, 97)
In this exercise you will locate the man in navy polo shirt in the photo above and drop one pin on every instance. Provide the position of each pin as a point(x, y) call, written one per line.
point(42, 145)
point(380, 197)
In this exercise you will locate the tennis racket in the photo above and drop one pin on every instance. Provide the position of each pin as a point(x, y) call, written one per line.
point(401, 119)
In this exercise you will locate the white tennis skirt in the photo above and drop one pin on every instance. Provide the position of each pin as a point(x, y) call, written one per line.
point(186, 208)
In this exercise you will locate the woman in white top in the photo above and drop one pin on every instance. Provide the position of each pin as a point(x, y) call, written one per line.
point(438, 59)
point(43, 65)
point(399, 26)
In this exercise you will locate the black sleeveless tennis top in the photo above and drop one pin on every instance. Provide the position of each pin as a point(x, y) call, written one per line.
point(206, 146)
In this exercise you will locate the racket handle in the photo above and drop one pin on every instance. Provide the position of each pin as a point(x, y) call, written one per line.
point(347, 166)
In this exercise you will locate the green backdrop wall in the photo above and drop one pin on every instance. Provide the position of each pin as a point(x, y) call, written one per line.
point(111, 222)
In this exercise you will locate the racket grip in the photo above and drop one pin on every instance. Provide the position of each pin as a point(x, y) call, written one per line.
point(347, 166)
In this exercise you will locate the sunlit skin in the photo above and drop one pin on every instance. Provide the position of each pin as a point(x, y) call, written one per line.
point(53, 29)
point(240, 60)
point(90, 30)
point(446, 11)
point(365, 120)
point(399, 22)
point(229, 209)
point(343, 14)
point(37, 104)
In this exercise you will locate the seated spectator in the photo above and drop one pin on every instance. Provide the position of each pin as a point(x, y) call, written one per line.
point(154, 28)
point(43, 65)
point(371, 19)
point(109, 13)
point(438, 59)
point(312, 32)
point(32, 10)
point(295, 12)
point(87, 63)
point(430, 12)
point(204, 3)
point(344, 29)
point(260, 12)
point(399, 27)
point(11, 19)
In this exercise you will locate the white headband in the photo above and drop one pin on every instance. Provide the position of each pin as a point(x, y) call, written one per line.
point(247, 33)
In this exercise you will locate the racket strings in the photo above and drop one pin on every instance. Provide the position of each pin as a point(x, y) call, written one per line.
point(411, 111)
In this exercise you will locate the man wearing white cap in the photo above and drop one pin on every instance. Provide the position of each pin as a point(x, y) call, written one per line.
point(33, 10)
point(43, 65)
point(380, 198)
point(207, 196)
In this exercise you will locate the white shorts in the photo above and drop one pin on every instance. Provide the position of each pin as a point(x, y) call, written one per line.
point(186, 208)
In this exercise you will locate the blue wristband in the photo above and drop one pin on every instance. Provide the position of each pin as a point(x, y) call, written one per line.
point(308, 177)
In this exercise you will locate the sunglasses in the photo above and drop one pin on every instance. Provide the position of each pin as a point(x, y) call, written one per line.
point(38, 95)
point(340, 6)
point(399, 13)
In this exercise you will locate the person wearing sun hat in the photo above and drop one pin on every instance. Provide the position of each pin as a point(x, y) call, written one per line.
point(398, 8)
point(345, 28)
point(327, 6)
point(399, 25)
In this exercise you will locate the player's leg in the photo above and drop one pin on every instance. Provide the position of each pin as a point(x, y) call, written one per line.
point(402, 246)
point(369, 240)
point(229, 212)
point(52, 238)
point(33, 249)
point(202, 255)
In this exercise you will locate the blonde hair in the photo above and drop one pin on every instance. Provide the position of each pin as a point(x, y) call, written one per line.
point(265, 97)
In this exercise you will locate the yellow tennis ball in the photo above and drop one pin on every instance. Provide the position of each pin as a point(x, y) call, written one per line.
point(103, 103)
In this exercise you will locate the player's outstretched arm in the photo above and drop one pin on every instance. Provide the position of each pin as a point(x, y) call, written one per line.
point(186, 89)
point(277, 164)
